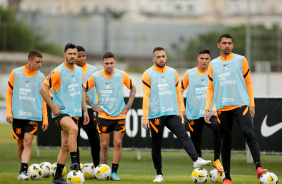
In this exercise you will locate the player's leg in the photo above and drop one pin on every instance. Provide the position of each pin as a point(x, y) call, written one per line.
point(27, 142)
point(175, 125)
point(157, 128)
point(80, 123)
point(69, 125)
point(20, 148)
point(104, 144)
point(93, 137)
point(196, 129)
point(225, 127)
point(216, 143)
point(244, 120)
point(62, 157)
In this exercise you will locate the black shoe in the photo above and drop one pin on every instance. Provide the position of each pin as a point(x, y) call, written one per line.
point(74, 166)
point(59, 181)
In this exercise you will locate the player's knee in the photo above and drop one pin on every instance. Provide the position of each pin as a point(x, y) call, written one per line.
point(118, 144)
point(104, 145)
point(74, 130)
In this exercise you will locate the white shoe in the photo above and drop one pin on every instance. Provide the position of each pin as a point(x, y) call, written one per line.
point(23, 176)
point(201, 163)
point(159, 178)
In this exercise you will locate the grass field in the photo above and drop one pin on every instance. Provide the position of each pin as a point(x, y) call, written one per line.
point(177, 166)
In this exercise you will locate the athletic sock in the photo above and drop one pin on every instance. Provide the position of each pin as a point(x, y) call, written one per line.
point(114, 167)
point(159, 171)
point(257, 165)
point(59, 171)
point(24, 167)
point(73, 157)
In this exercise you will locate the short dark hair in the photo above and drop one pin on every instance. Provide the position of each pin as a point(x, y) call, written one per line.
point(70, 46)
point(204, 51)
point(108, 55)
point(226, 35)
point(34, 53)
point(80, 48)
point(158, 49)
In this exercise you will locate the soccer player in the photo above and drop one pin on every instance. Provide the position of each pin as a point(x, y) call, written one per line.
point(230, 87)
point(68, 103)
point(111, 108)
point(26, 107)
point(90, 128)
point(195, 80)
point(162, 101)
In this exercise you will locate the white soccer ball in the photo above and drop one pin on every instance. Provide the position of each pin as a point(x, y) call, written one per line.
point(199, 175)
point(88, 171)
point(75, 176)
point(103, 172)
point(268, 178)
point(54, 168)
point(215, 176)
point(46, 169)
point(34, 172)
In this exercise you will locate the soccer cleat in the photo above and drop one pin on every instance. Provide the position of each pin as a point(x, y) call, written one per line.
point(114, 177)
point(74, 166)
point(227, 181)
point(59, 181)
point(260, 171)
point(23, 176)
point(159, 178)
point(199, 163)
point(217, 164)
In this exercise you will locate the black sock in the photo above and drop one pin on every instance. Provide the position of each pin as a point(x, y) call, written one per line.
point(24, 167)
point(114, 167)
point(159, 171)
point(73, 157)
point(257, 165)
point(59, 171)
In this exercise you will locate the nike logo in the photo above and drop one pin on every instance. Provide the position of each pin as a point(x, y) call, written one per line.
point(225, 64)
point(202, 79)
point(162, 76)
point(267, 131)
point(107, 82)
point(72, 76)
point(27, 81)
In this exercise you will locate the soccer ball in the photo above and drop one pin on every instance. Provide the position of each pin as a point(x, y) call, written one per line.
point(268, 178)
point(88, 171)
point(75, 176)
point(199, 175)
point(103, 172)
point(34, 172)
point(46, 169)
point(215, 176)
point(54, 168)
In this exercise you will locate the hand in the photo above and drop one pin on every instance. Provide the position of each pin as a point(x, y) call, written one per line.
point(184, 116)
point(56, 110)
point(252, 111)
point(125, 109)
point(86, 118)
point(9, 119)
point(145, 124)
point(44, 127)
point(207, 117)
point(97, 108)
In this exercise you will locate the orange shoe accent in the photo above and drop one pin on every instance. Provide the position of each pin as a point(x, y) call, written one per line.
point(217, 164)
point(260, 171)
point(227, 181)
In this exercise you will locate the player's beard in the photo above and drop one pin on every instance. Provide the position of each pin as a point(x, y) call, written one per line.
point(161, 66)
point(71, 61)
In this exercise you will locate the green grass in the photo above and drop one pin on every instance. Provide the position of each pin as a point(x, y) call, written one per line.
point(177, 166)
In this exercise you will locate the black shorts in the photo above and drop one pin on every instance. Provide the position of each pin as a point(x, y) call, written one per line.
point(59, 118)
point(109, 125)
point(20, 126)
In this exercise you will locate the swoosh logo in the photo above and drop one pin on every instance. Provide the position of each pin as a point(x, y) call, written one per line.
point(267, 131)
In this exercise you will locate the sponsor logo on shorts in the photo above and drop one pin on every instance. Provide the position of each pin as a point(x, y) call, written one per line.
point(33, 123)
point(121, 122)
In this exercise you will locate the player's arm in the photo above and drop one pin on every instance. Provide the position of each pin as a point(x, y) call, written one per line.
point(179, 95)
point(44, 114)
point(129, 84)
point(183, 86)
point(84, 107)
point(89, 85)
point(249, 86)
point(9, 96)
point(52, 80)
point(146, 84)
point(209, 95)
